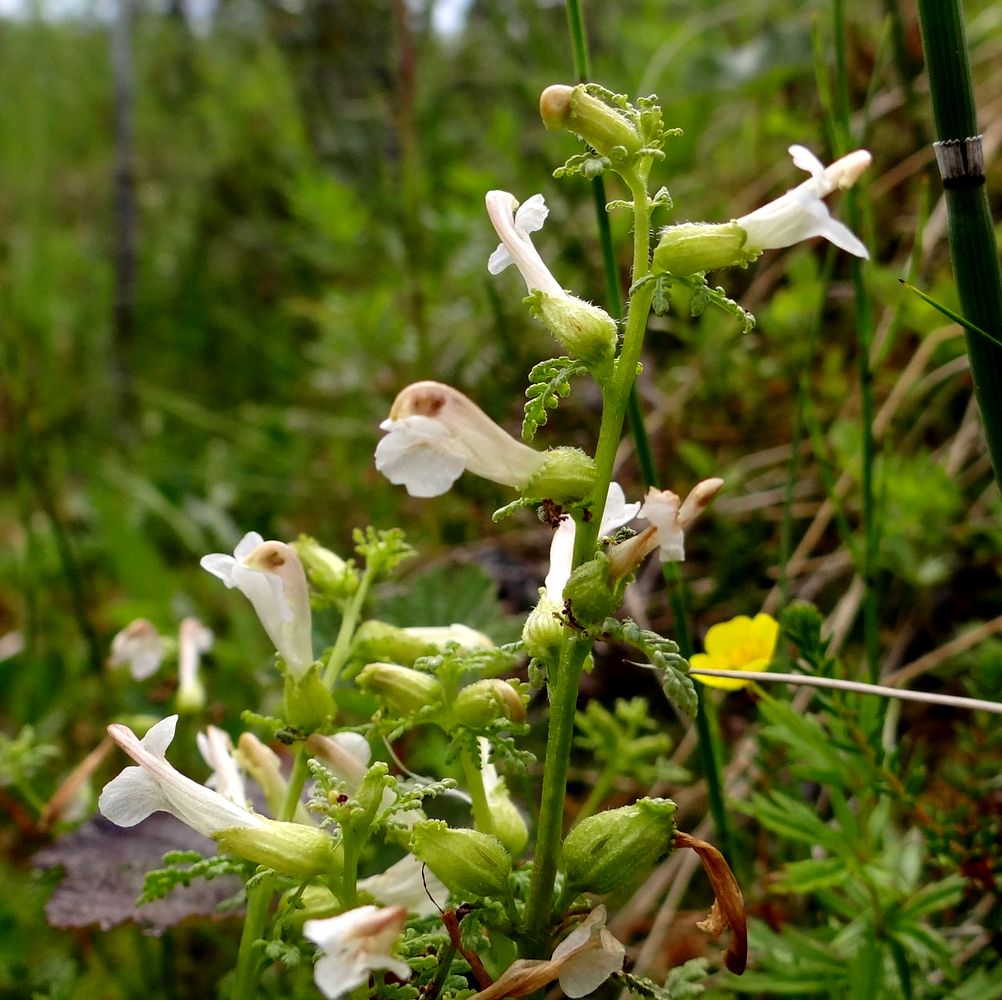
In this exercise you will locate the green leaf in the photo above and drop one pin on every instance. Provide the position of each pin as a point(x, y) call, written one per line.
point(950, 314)
point(663, 653)
point(549, 382)
point(801, 877)
point(703, 295)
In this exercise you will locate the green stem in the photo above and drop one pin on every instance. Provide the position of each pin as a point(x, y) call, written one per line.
point(259, 895)
point(297, 779)
point(864, 348)
point(972, 234)
point(579, 40)
point(563, 691)
point(342, 645)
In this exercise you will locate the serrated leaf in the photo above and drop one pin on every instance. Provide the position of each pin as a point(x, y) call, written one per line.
point(549, 382)
point(666, 659)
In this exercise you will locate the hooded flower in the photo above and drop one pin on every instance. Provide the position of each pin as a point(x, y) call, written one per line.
point(216, 749)
point(354, 944)
point(194, 639)
point(156, 786)
point(271, 577)
point(435, 433)
point(801, 213)
point(742, 643)
point(587, 331)
point(407, 883)
point(617, 513)
point(140, 647)
point(584, 960)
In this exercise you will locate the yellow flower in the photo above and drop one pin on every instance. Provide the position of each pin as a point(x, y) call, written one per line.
point(743, 643)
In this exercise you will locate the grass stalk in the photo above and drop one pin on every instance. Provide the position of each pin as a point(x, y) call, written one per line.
point(971, 232)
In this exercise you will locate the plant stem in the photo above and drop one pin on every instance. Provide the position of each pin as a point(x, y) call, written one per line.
point(563, 690)
point(972, 234)
point(342, 645)
point(864, 348)
point(297, 779)
point(259, 893)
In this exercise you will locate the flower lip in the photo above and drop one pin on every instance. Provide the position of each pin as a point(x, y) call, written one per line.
point(514, 224)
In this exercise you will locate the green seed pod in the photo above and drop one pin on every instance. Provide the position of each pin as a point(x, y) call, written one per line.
point(479, 704)
point(592, 595)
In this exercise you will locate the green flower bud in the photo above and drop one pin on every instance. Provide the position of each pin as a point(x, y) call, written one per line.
point(308, 703)
point(507, 822)
point(566, 474)
point(331, 575)
point(695, 247)
point(585, 330)
point(376, 640)
point(292, 849)
point(401, 688)
point(479, 704)
point(601, 126)
point(543, 632)
point(592, 594)
point(617, 848)
point(469, 863)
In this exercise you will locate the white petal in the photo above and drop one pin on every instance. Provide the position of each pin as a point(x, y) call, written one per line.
point(355, 744)
point(132, 796)
point(531, 214)
point(159, 736)
point(417, 460)
point(585, 972)
point(561, 559)
point(247, 545)
point(407, 883)
point(221, 565)
point(806, 160)
point(499, 260)
point(335, 977)
point(617, 511)
point(844, 238)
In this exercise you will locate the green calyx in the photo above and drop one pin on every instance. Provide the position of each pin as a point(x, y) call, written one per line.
point(615, 849)
point(591, 594)
point(585, 330)
point(403, 689)
point(292, 849)
point(484, 702)
point(565, 476)
point(696, 247)
point(308, 702)
point(468, 862)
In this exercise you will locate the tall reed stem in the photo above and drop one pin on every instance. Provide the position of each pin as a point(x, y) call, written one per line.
point(972, 234)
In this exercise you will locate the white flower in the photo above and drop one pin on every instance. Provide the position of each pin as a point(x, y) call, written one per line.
point(435, 433)
point(194, 639)
point(800, 213)
point(156, 786)
point(355, 943)
point(407, 883)
point(347, 755)
point(216, 749)
point(271, 577)
point(514, 223)
point(672, 519)
point(617, 513)
point(588, 956)
point(140, 647)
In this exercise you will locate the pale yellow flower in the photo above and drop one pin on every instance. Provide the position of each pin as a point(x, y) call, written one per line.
point(743, 643)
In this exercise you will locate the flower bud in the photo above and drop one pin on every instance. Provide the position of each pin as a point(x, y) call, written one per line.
point(617, 848)
point(403, 689)
point(592, 595)
point(585, 330)
point(329, 573)
point(469, 863)
point(292, 849)
point(479, 704)
point(695, 247)
point(507, 822)
point(566, 474)
point(543, 632)
point(601, 126)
